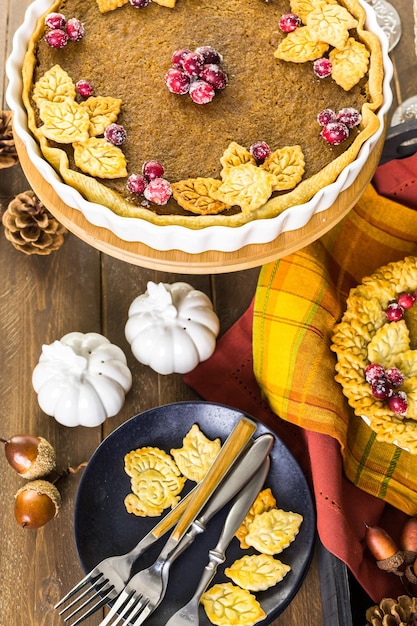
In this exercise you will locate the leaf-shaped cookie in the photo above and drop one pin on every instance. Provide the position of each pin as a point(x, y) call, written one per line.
point(303, 7)
point(273, 531)
point(64, 122)
point(390, 340)
point(350, 64)
point(246, 186)
point(98, 157)
point(195, 195)
point(265, 501)
point(102, 111)
point(287, 166)
point(331, 23)
point(235, 155)
point(197, 454)
point(227, 604)
point(257, 572)
point(300, 46)
point(54, 86)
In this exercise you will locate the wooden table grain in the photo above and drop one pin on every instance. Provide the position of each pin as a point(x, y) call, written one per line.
point(80, 288)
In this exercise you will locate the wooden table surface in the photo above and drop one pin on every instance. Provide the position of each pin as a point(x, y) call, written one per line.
point(80, 288)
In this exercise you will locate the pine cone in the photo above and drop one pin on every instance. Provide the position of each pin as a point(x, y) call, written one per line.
point(8, 154)
point(30, 227)
point(390, 612)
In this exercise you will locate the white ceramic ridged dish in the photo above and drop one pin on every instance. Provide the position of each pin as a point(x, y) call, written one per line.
point(163, 238)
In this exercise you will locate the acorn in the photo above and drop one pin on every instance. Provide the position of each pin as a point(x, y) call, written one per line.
point(408, 539)
point(31, 457)
point(36, 503)
point(383, 548)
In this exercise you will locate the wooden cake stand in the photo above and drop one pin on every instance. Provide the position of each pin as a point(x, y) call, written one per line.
point(213, 261)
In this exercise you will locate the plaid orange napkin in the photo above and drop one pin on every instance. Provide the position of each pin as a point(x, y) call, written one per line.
point(275, 361)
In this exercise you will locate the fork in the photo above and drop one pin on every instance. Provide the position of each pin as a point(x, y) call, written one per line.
point(188, 614)
point(107, 579)
point(153, 580)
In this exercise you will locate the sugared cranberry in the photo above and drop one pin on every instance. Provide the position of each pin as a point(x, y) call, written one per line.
point(177, 81)
point(193, 63)
point(214, 75)
point(381, 389)
point(260, 151)
point(394, 312)
point(152, 170)
point(395, 377)
point(158, 191)
point(115, 134)
point(136, 183)
point(398, 403)
point(55, 20)
point(406, 300)
point(84, 88)
point(178, 56)
point(201, 92)
point(322, 67)
point(210, 54)
point(289, 22)
point(56, 38)
point(335, 133)
point(138, 4)
point(373, 372)
point(326, 116)
point(75, 29)
point(349, 116)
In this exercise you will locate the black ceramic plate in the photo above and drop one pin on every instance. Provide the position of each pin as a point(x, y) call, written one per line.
point(104, 528)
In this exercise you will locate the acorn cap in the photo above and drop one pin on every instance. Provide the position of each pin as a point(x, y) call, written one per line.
point(44, 463)
point(392, 563)
point(43, 487)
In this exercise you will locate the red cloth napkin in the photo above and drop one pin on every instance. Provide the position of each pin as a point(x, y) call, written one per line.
point(227, 377)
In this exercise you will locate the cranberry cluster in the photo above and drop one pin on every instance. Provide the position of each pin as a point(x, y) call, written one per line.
point(395, 309)
point(384, 383)
point(336, 126)
point(62, 30)
point(150, 183)
point(197, 73)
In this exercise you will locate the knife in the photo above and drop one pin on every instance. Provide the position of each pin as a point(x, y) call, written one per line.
point(243, 502)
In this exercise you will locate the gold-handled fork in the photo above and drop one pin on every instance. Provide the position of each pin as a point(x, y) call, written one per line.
point(151, 582)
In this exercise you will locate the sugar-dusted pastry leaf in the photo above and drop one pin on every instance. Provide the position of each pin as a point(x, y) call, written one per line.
point(64, 122)
point(99, 158)
point(235, 155)
point(407, 363)
point(287, 165)
point(300, 46)
point(247, 186)
point(331, 23)
point(102, 111)
point(109, 5)
point(273, 531)
point(54, 86)
point(389, 341)
point(257, 572)
point(265, 501)
point(197, 454)
point(195, 195)
point(303, 7)
point(349, 64)
point(227, 604)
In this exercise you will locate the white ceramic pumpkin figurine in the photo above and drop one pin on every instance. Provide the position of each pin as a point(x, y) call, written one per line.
point(81, 379)
point(172, 327)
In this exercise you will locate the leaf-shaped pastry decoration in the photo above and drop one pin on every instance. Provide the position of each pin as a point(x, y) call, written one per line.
point(102, 111)
point(388, 342)
point(64, 122)
point(227, 604)
point(235, 155)
point(195, 195)
point(331, 23)
point(303, 7)
point(350, 64)
point(197, 454)
point(247, 186)
point(54, 86)
point(287, 166)
point(99, 158)
point(109, 5)
point(300, 46)
point(273, 531)
point(257, 572)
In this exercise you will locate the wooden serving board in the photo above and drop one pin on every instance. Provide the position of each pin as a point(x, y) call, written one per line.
point(213, 261)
